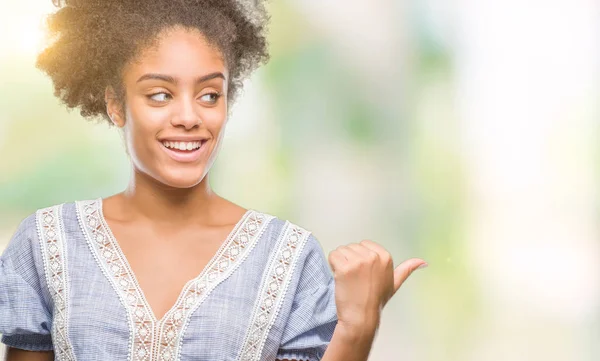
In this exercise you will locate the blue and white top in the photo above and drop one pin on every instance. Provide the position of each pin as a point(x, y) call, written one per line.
point(65, 285)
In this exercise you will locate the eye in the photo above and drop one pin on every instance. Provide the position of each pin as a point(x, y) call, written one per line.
point(160, 97)
point(210, 98)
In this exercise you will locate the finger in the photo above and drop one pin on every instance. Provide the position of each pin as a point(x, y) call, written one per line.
point(350, 254)
point(383, 254)
point(405, 269)
point(367, 255)
point(336, 260)
point(375, 247)
point(339, 251)
point(360, 249)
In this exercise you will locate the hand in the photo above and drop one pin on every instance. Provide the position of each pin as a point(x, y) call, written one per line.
point(365, 280)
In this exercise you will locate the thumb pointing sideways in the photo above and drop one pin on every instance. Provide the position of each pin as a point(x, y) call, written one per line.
point(405, 269)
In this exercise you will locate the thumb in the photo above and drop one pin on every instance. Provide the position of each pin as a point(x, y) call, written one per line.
point(405, 269)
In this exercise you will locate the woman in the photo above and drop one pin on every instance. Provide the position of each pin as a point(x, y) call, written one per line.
point(167, 269)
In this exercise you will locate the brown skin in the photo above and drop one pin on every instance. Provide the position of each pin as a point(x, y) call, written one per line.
point(157, 109)
point(168, 214)
point(13, 354)
point(365, 280)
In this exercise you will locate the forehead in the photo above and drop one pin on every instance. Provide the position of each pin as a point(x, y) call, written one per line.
point(179, 52)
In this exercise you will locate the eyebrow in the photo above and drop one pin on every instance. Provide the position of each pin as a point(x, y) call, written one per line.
point(172, 80)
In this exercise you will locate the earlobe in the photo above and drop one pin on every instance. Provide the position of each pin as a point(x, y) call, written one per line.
point(113, 107)
point(117, 119)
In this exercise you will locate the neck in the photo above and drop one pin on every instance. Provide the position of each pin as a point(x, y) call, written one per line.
point(150, 199)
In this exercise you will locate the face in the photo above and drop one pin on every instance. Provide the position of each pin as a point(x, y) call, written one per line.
point(175, 108)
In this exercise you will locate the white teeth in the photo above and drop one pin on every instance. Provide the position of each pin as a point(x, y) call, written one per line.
point(182, 145)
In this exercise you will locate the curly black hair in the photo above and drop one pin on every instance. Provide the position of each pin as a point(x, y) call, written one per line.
point(92, 40)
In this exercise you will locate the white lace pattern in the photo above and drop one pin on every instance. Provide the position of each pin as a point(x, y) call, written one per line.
point(161, 340)
point(54, 255)
point(273, 289)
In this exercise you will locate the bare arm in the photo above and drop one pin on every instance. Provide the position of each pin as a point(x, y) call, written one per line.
point(365, 279)
point(348, 345)
point(15, 354)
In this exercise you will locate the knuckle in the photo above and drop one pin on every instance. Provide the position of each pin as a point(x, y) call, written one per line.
point(361, 262)
point(365, 262)
point(343, 271)
point(373, 257)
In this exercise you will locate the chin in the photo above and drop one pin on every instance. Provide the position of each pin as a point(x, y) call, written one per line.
point(181, 179)
point(183, 183)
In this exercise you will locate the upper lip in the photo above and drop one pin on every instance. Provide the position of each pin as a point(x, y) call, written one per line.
point(183, 139)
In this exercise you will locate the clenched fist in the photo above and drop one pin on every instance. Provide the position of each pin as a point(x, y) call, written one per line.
point(365, 280)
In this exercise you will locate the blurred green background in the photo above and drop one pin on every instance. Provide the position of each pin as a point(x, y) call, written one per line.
point(464, 133)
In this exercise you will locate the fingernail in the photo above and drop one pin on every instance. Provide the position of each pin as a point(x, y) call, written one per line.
point(423, 266)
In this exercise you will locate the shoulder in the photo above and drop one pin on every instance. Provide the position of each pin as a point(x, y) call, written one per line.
point(23, 253)
point(302, 255)
point(28, 233)
point(285, 230)
point(308, 250)
point(276, 224)
point(23, 240)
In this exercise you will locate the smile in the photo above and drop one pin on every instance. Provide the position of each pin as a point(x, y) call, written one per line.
point(185, 152)
point(182, 145)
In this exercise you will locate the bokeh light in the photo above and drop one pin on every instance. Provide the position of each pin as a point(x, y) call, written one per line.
point(462, 132)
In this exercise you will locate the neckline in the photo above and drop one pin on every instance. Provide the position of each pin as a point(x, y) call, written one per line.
point(228, 240)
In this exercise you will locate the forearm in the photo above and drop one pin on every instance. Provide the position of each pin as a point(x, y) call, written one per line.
point(350, 344)
point(14, 354)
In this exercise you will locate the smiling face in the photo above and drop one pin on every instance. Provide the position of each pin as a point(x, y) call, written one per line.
point(175, 108)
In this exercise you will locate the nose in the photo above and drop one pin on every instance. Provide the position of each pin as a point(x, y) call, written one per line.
point(186, 114)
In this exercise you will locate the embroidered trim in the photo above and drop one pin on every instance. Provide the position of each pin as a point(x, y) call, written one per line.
point(54, 255)
point(151, 339)
point(226, 261)
point(273, 290)
point(141, 325)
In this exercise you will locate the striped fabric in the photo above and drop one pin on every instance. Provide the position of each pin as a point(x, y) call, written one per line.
point(66, 286)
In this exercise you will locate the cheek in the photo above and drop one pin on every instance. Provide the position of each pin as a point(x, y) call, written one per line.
point(214, 121)
point(142, 124)
point(146, 118)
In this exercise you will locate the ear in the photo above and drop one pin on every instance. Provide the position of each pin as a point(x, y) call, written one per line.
point(114, 108)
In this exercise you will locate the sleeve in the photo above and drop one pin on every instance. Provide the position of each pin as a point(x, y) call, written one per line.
point(313, 316)
point(25, 319)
